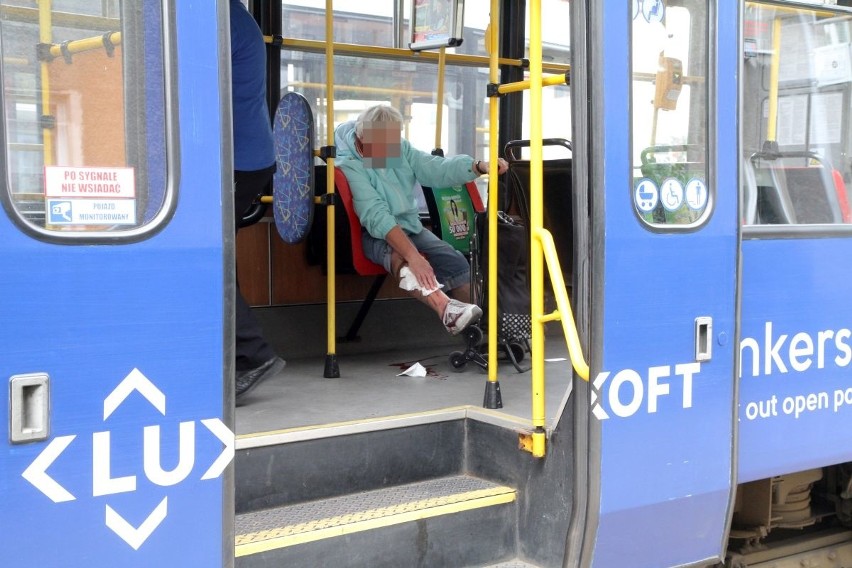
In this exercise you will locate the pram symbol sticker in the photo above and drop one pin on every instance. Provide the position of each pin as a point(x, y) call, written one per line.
point(672, 194)
point(646, 195)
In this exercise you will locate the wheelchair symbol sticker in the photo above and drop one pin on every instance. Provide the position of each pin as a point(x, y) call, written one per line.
point(671, 194)
point(60, 211)
point(653, 10)
point(646, 195)
point(696, 194)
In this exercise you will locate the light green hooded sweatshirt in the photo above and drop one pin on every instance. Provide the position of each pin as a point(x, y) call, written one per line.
point(384, 197)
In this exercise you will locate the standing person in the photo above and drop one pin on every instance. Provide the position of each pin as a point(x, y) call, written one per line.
point(382, 169)
point(254, 165)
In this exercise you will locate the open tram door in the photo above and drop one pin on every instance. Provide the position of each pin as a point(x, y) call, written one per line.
point(660, 403)
point(118, 382)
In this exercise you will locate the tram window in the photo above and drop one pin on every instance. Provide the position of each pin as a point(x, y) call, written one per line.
point(405, 85)
point(796, 113)
point(409, 86)
point(305, 19)
point(670, 112)
point(84, 125)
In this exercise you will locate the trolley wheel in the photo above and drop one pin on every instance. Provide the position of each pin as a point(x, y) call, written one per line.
point(473, 335)
point(518, 351)
point(457, 361)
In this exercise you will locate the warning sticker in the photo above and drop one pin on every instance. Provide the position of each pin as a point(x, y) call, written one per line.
point(65, 181)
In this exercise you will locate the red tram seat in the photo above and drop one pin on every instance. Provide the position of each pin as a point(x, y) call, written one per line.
point(842, 197)
point(363, 265)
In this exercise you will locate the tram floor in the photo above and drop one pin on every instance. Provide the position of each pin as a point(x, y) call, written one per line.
point(370, 388)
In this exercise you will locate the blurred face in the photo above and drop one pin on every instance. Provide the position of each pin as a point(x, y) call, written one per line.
point(380, 144)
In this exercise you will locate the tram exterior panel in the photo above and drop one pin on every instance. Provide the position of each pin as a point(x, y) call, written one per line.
point(710, 220)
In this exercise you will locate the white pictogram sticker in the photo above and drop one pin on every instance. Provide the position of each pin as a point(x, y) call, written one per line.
point(103, 483)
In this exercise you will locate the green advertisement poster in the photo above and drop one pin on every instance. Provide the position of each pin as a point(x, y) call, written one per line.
point(456, 216)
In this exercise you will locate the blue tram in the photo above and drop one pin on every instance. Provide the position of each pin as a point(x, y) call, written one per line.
point(701, 216)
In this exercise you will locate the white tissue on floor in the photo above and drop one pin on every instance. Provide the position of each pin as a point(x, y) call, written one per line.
point(407, 281)
point(416, 370)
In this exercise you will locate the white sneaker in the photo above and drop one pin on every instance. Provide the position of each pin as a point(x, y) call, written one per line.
point(458, 315)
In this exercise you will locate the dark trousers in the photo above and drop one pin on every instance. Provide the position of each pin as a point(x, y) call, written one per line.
point(252, 350)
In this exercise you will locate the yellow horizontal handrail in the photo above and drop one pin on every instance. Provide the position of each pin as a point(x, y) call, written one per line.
point(524, 85)
point(361, 89)
point(791, 9)
point(563, 312)
point(86, 44)
point(651, 77)
point(404, 54)
point(17, 61)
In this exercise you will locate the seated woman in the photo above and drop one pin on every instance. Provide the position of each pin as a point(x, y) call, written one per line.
point(382, 169)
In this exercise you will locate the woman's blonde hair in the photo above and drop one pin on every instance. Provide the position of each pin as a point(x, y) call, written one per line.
point(377, 114)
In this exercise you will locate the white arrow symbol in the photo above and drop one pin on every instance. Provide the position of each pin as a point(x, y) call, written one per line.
point(135, 380)
point(599, 412)
point(227, 437)
point(36, 473)
point(131, 535)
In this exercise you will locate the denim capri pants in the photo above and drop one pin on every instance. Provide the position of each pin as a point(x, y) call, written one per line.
point(450, 266)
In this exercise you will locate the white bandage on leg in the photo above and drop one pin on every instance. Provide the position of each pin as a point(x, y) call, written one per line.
point(407, 281)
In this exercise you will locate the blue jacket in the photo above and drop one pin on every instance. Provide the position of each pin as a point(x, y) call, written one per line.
point(253, 145)
point(384, 197)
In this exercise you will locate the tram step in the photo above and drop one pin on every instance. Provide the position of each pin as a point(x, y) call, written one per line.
point(512, 564)
point(273, 472)
point(450, 521)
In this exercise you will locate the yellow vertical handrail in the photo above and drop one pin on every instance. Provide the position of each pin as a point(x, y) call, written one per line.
point(45, 36)
point(774, 71)
point(493, 190)
point(536, 222)
point(439, 103)
point(541, 244)
point(331, 368)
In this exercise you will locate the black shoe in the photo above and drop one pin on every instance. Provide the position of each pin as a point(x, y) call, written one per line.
point(247, 380)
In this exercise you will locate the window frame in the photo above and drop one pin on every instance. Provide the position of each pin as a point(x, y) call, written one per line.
point(170, 156)
point(710, 115)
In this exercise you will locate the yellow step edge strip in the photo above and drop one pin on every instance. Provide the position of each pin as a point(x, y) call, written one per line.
point(263, 541)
